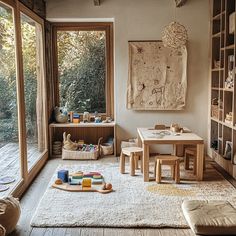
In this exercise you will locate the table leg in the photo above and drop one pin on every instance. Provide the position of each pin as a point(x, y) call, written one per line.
point(146, 162)
point(200, 161)
point(174, 150)
point(139, 141)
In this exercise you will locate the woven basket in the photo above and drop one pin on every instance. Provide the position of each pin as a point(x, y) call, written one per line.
point(80, 155)
point(215, 111)
point(106, 149)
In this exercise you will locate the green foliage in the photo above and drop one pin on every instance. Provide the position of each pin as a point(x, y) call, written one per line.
point(29, 51)
point(8, 95)
point(8, 102)
point(82, 70)
point(82, 73)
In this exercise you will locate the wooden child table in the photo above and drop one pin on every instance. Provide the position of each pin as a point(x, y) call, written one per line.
point(148, 136)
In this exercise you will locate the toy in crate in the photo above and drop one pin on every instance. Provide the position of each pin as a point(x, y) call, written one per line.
point(79, 151)
point(107, 147)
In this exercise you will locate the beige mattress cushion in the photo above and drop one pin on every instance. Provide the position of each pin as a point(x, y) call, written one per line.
point(210, 217)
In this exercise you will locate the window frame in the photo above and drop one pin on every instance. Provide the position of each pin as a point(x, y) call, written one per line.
point(27, 175)
point(87, 26)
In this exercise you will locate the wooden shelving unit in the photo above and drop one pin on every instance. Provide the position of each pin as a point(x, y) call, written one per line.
point(223, 98)
point(89, 132)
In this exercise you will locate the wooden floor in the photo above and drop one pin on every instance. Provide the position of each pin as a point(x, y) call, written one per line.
point(10, 162)
point(31, 199)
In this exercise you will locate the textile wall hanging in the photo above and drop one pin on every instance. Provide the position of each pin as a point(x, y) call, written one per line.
point(157, 76)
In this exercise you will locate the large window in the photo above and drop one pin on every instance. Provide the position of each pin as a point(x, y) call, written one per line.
point(84, 67)
point(23, 124)
point(9, 142)
point(32, 50)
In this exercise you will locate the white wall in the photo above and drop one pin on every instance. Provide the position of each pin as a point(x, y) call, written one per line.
point(144, 20)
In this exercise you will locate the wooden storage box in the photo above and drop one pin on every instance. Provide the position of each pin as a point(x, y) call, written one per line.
point(215, 111)
point(80, 155)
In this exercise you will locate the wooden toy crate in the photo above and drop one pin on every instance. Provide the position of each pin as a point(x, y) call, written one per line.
point(80, 155)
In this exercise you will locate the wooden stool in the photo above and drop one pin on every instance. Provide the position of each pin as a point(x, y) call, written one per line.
point(191, 152)
point(173, 162)
point(134, 153)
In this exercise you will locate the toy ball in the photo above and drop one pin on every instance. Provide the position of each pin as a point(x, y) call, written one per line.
point(108, 186)
point(58, 181)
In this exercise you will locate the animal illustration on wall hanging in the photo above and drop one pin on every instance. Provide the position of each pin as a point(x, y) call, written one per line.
point(157, 76)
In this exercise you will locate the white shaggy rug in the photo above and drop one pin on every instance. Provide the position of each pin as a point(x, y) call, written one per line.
point(132, 204)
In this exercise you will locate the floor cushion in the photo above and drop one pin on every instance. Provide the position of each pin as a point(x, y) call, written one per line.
point(2, 231)
point(210, 217)
point(9, 213)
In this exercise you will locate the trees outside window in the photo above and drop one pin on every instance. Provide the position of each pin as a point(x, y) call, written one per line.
point(23, 125)
point(82, 70)
point(8, 96)
point(83, 67)
point(32, 51)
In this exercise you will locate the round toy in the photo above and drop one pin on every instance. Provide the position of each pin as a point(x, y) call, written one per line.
point(108, 186)
point(58, 181)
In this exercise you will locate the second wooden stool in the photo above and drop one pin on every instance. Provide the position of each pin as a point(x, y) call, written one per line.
point(134, 153)
point(173, 162)
point(190, 152)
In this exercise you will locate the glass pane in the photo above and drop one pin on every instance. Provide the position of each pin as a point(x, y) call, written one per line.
point(33, 87)
point(9, 144)
point(82, 70)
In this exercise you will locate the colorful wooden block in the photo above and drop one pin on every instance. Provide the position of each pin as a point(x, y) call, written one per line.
point(97, 181)
point(77, 176)
point(86, 182)
point(63, 175)
point(97, 177)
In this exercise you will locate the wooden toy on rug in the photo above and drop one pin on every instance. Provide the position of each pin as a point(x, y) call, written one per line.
point(63, 175)
point(58, 181)
point(107, 186)
point(87, 183)
point(78, 188)
point(82, 182)
point(77, 176)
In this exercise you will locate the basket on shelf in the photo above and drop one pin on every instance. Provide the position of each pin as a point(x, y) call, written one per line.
point(82, 155)
point(106, 149)
point(215, 111)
